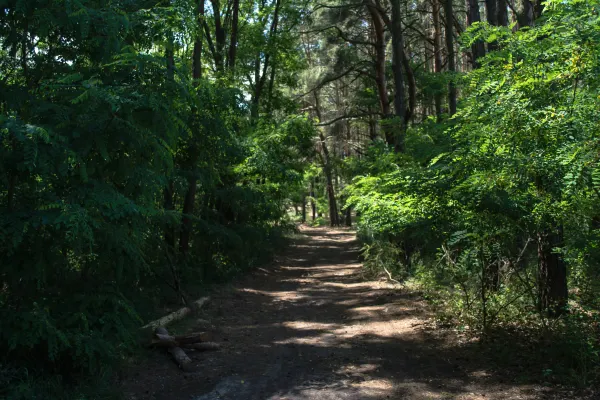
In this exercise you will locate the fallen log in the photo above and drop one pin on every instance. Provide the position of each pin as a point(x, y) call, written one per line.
point(194, 337)
point(204, 346)
point(162, 339)
point(182, 359)
point(176, 315)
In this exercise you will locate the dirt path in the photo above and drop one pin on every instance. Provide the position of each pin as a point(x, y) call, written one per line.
point(311, 328)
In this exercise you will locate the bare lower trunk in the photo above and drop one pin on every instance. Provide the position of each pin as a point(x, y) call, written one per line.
point(313, 205)
point(437, 56)
point(473, 16)
point(380, 76)
point(303, 209)
point(449, 11)
point(186, 223)
point(552, 274)
point(397, 67)
point(348, 216)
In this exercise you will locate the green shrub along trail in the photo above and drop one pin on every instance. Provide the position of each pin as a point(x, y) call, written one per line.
point(150, 149)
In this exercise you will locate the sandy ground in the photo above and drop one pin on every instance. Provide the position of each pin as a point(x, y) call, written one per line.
point(309, 327)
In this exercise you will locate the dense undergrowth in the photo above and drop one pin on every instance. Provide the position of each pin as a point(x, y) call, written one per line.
point(494, 212)
point(149, 148)
point(129, 178)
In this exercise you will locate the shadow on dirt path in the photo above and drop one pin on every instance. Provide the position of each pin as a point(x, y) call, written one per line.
point(311, 328)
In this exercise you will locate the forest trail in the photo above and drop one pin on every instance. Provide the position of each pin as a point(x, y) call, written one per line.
point(310, 327)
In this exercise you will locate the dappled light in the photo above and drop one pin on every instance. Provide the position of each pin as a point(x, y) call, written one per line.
point(330, 336)
point(299, 199)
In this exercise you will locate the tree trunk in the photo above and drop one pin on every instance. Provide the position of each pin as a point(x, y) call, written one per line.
point(502, 13)
point(219, 35)
point(303, 209)
point(437, 56)
point(170, 189)
point(234, 34)
point(412, 89)
point(380, 78)
point(333, 210)
point(372, 129)
point(492, 19)
point(260, 79)
point(190, 196)
point(524, 10)
point(473, 16)
point(197, 55)
point(313, 206)
point(538, 8)
point(348, 216)
point(397, 66)
point(552, 274)
point(449, 11)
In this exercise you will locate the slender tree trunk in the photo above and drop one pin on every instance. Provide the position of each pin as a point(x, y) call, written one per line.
point(169, 191)
point(197, 55)
point(491, 13)
point(190, 196)
point(219, 35)
point(397, 56)
point(372, 129)
point(313, 205)
point(437, 56)
point(259, 80)
point(412, 89)
point(303, 209)
point(552, 274)
point(380, 78)
point(186, 223)
point(333, 210)
point(473, 16)
point(234, 34)
point(449, 11)
point(348, 216)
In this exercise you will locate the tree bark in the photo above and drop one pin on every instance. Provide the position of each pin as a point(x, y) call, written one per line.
point(197, 55)
point(538, 8)
point(380, 78)
point(524, 10)
point(333, 210)
point(190, 196)
point(437, 56)
point(219, 35)
point(234, 34)
point(552, 274)
point(260, 79)
point(186, 221)
point(176, 315)
point(397, 66)
point(313, 206)
point(412, 89)
point(491, 10)
point(473, 16)
point(169, 191)
point(502, 13)
point(449, 11)
point(303, 209)
point(348, 216)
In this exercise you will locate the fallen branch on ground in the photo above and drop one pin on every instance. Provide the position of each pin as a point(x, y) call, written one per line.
point(176, 316)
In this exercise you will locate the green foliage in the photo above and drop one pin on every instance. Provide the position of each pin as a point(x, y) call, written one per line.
point(466, 206)
point(103, 132)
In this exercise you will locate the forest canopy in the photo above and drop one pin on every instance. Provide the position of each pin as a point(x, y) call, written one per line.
point(151, 147)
